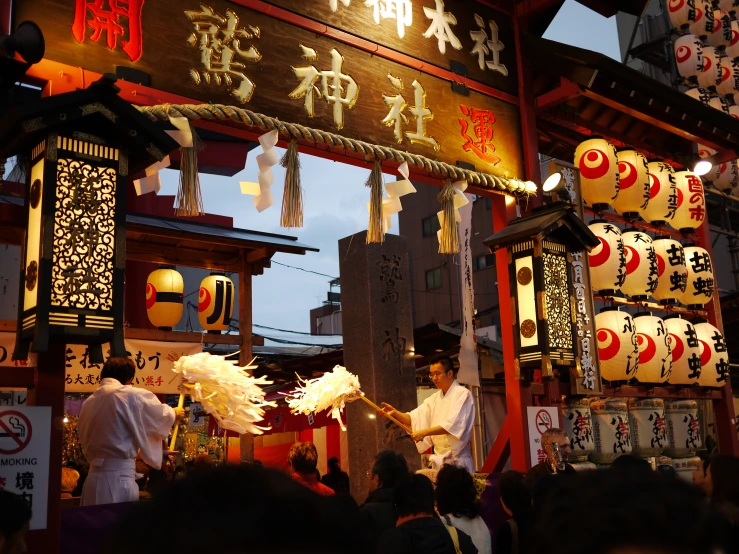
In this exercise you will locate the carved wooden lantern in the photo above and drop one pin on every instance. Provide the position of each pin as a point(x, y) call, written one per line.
point(80, 149)
point(553, 314)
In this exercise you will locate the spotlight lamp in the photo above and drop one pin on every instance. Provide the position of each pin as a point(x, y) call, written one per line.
point(555, 183)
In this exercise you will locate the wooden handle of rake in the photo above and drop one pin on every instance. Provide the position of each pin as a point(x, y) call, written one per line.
point(391, 418)
point(180, 404)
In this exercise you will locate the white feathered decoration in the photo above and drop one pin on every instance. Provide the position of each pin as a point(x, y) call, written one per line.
point(226, 391)
point(332, 390)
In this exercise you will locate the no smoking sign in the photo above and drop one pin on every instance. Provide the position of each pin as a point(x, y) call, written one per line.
point(543, 421)
point(15, 432)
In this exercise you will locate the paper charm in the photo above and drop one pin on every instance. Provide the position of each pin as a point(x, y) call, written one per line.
point(391, 205)
point(265, 161)
point(183, 135)
point(459, 200)
point(151, 183)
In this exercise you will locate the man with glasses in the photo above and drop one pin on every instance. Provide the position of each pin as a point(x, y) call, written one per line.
point(556, 446)
point(445, 419)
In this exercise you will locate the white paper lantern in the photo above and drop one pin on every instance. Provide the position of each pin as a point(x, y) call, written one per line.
point(711, 74)
point(714, 356)
point(578, 424)
point(703, 95)
point(672, 274)
point(728, 5)
point(700, 282)
point(611, 429)
point(618, 349)
point(596, 159)
point(655, 356)
point(727, 82)
point(684, 12)
point(721, 34)
point(719, 103)
point(732, 48)
point(608, 260)
point(641, 264)
point(633, 194)
point(691, 203)
point(662, 194)
point(683, 428)
point(689, 56)
point(648, 426)
point(703, 23)
point(686, 353)
point(728, 176)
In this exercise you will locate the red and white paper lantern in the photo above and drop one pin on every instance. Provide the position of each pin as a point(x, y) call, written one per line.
point(641, 264)
point(727, 81)
point(662, 194)
point(703, 22)
point(672, 274)
point(732, 48)
point(655, 355)
point(598, 164)
point(689, 56)
point(686, 353)
point(691, 202)
point(712, 73)
point(729, 6)
point(721, 33)
point(608, 260)
point(633, 194)
point(618, 350)
point(683, 13)
point(714, 356)
point(727, 177)
point(700, 282)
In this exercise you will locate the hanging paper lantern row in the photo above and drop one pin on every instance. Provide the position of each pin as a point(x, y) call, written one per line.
point(714, 356)
point(641, 265)
point(686, 360)
point(721, 33)
point(712, 73)
point(608, 260)
point(732, 47)
point(618, 349)
point(165, 290)
point(672, 274)
point(662, 194)
point(633, 194)
point(598, 164)
point(216, 302)
point(700, 282)
point(689, 56)
point(684, 13)
point(691, 202)
point(655, 355)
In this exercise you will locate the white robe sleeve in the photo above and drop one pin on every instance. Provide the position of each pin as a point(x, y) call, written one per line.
point(421, 419)
point(150, 422)
point(460, 420)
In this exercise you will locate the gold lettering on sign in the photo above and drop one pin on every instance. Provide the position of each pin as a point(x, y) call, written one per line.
point(337, 88)
point(440, 27)
point(400, 10)
point(334, 4)
point(219, 40)
point(396, 118)
point(485, 45)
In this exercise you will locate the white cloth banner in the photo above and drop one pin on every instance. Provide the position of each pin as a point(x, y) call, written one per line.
point(153, 360)
point(7, 345)
point(468, 366)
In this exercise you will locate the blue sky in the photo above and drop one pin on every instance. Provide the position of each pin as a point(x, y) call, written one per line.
point(335, 201)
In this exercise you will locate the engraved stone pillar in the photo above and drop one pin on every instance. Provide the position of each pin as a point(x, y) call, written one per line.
point(378, 347)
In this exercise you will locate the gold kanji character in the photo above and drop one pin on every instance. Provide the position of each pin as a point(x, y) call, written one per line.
point(440, 27)
point(396, 118)
point(484, 45)
point(400, 10)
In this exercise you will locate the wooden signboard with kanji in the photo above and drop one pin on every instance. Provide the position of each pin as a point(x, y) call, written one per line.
point(225, 53)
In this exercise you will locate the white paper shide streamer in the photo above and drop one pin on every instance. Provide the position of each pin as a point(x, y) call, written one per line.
point(391, 205)
point(332, 390)
point(262, 189)
point(152, 182)
point(226, 391)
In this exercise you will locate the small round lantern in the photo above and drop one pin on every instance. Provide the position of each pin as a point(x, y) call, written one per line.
point(672, 274)
point(683, 428)
point(577, 422)
point(714, 356)
point(633, 194)
point(596, 159)
point(165, 290)
point(662, 194)
point(611, 429)
point(727, 176)
point(691, 202)
point(720, 35)
point(641, 264)
point(712, 72)
point(607, 261)
point(682, 14)
point(655, 356)
point(702, 23)
point(700, 282)
point(648, 426)
point(726, 81)
point(689, 56)
point(216, 303)
point(732, 48)
point(686, 359)
point(618, 349)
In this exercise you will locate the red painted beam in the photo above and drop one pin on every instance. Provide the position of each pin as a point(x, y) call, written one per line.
point(566, 91)
point(499, 453)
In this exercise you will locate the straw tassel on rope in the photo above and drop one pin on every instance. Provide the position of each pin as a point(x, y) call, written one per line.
point(374, 230)
point(292, 197)
point(189, 195)
point(448, 237)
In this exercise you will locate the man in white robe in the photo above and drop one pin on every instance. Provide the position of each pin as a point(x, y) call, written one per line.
point(444, 420)
point(116, 422)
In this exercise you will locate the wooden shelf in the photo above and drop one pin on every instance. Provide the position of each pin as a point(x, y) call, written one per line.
point(672, 308)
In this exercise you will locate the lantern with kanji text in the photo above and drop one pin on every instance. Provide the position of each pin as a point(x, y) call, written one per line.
point(689, 56)
point(703, 23)
point(712, 73)
point(608, 260)
point(641, 264)
point(633, 195)
point(655, 354)
point(720, 35)
point(714, 356)
point(165, 290)
point(732, 47)
point(700, 282)
point(81, 148)
point(672, 274)
point(684, 13)
point(727, 176)
point(686, 359)
point(216, 302)
point(662, 194)
point(691, 203)
point(598, 164)
point(618, 349)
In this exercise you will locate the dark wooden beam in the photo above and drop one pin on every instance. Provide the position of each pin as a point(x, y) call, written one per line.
point(566, 91)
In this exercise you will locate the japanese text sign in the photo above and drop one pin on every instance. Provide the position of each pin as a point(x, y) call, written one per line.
point(540, 419)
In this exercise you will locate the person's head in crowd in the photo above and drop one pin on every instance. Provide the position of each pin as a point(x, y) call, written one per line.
point(245, 509)
point(202, 461)
point(639, 512)
point(388, 468)
point(552, 437)
point(179, 471)
point(629, 462)
point(15, 516)
point(442, 373)
point(722, 479)
point(333, 465)
point(69, 479)
point(667, 470)
point(515, 495)
point(699, 473)
point(456, 493)
point(413, 498)
point(120, 369)
point(303, 458)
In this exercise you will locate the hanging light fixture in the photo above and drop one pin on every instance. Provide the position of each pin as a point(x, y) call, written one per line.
point(618, 349)
point(672, 274)
point(714, 356)
point(700, 282)
point(691, 203)
point(655, 355)
point(216, 302)
point(164, 297)
point(641, 264)
point(689, 56)
point(702, 167)
point(608, 260)
point(686, 360)
point(598, 164)
point(633, 194)
point(662, 194)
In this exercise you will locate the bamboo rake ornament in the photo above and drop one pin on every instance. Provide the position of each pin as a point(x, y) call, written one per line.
point(189, 195)
point(448, 237)
point(173, 442)
point(374, 229)
point(292, 198)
